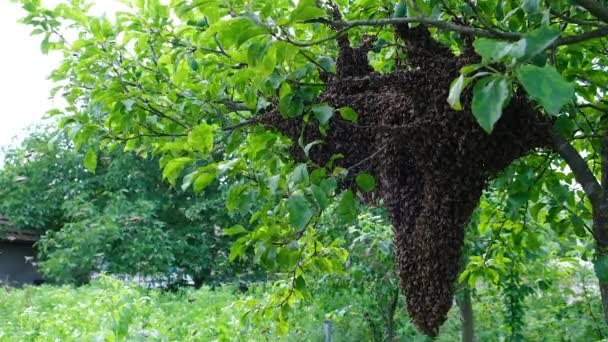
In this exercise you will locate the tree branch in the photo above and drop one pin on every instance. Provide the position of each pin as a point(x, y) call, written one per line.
point(473, 31)
point(149, 108)
point(110, 136)
point(600, 32)
point(344, 26)
point(595, 8)
point(575, 20)
point(232, 105)
point(594, 106)
point(579, 167)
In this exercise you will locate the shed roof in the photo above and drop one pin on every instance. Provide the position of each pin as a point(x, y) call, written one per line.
point(10, 234)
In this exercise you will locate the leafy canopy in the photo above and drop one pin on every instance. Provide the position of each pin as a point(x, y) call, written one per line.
point(185, 81)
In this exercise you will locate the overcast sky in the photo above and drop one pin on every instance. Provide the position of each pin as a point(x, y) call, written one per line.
point(24, 88)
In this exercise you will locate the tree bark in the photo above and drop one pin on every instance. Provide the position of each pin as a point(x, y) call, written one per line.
point(390, 316)
point(466, 315)
point(597, 191)
point(600, 221)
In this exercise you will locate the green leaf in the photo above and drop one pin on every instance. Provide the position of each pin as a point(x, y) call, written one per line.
point(347, 207)
point(533, 43)
point(299, 210)
point(310, 145)
point(317, 175)
point(306, 9)
point(90, 159)
point(201, 137)
point(182, 71)
point(45, 45)
point(174, 167)
point(235, 230)
point(82, 135)
point(300, 175)
point(531, 6)
point(238, 247)
point(348, 114)
point(327, 63)
point(234, 32)
point(491, 50)
point(464, 276)
point(187, 180)
point(536, 208)
point(538, 40)
point(366, 182)
point(290, 105)
point(329, 185)
point(300, 284)
point(489, 97)
point(418, 8)
point(456, 88)
point(193, 64)
point(546, 86)
point(323, 113)
point(467, 69)
point(579, 226)
point(320, 196)
point(203, 180)
point(400, 10)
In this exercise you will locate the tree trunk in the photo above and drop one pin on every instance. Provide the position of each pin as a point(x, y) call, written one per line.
point(390, 316)
point(604, 294)
point(466, 315)
point(597, 192)
point(600, 222)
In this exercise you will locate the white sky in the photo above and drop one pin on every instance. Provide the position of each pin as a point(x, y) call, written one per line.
point(24, 88)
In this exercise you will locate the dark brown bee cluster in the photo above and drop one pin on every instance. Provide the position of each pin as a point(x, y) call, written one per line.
point(431, 162)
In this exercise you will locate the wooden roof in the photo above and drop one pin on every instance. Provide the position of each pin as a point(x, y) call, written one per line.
point(10, 234)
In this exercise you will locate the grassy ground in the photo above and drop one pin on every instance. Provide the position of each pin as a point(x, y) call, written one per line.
point(110, 310)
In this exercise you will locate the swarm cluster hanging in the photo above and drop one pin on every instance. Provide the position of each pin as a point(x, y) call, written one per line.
point(431, 161)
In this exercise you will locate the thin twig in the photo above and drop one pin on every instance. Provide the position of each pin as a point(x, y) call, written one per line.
point(111, 136)
point(310, 59)
point(372, 156)
point(575, 20)
point(152, 110)
point(233, 105)
point(219, 46)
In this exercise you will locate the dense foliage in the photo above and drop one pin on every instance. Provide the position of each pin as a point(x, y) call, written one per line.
point(122, 219)
point(302, 108)
point(111, 310)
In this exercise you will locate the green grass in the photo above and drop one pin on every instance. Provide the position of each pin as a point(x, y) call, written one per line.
point(111, 310)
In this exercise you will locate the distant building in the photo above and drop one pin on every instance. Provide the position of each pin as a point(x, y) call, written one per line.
point(17, 256)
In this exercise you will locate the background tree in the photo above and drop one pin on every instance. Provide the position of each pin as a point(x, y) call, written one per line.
point(122, 219)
